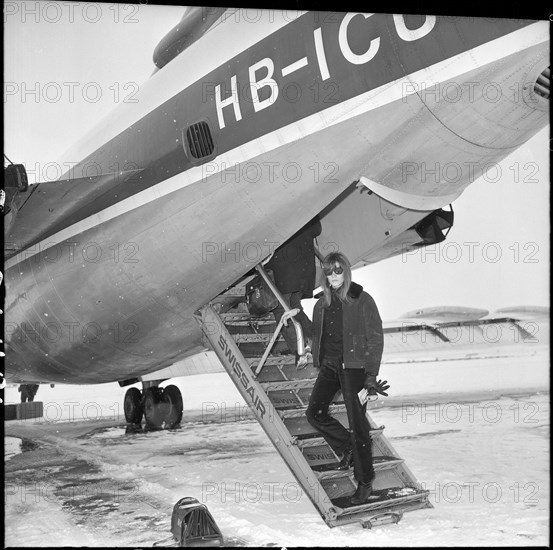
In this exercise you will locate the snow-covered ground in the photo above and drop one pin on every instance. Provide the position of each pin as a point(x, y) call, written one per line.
point(89, 481)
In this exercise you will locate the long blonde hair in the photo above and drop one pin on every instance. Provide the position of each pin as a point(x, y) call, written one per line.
point(342, 293)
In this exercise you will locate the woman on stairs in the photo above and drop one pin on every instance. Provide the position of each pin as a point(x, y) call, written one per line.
point(347, 349)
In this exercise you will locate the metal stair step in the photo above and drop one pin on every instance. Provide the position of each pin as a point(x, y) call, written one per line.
point(254, 338)
point(273, 360)
point(318, 452)
point(316, 441)
point(282, 367)
point(334, 410)
point(285, 400)
point(297, 424)
point(394, 501)
point(255, 350)
point(341, 483)
point(380, 463)
point(293, 394)
point(245, 319)
point(288, 384)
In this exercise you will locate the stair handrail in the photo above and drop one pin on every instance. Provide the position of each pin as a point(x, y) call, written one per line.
point(288, 314)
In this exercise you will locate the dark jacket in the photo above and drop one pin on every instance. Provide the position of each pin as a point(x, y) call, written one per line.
point(293, 263)
point(362, 332)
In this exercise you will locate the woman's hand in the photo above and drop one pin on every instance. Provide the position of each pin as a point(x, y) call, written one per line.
point(372, 386)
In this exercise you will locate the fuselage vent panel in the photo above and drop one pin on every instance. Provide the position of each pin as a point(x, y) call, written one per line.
point(200, 141)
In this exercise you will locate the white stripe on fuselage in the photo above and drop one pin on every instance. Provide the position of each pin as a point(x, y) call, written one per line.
point(479, 57)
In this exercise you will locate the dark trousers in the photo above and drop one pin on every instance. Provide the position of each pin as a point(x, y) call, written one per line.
point(331, 378)
point(293, 299)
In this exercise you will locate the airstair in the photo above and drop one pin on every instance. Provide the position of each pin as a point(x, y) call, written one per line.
point(278, 393)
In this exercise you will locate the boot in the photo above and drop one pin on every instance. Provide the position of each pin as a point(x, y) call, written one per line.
point(347, 459)
point(362, 493)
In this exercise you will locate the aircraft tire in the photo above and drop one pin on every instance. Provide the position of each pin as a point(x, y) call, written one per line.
point(153, 408)
point(133, 406)
point(173, 399)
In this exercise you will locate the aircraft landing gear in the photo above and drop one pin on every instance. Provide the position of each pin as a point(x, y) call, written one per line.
point(133, 406)
point(172, 399)
point(161, 407)
point(153, 407)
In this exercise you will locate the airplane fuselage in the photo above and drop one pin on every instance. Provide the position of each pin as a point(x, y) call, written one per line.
point(228, 151)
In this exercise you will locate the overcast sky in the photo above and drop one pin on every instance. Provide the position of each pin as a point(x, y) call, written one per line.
point(67, 65)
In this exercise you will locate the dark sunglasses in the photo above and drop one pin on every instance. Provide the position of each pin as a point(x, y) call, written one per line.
point(334, 269)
